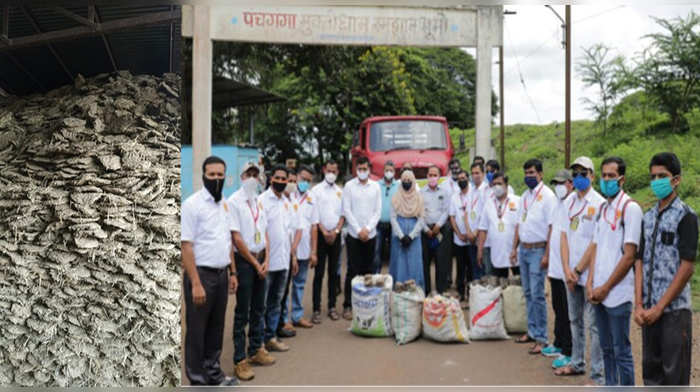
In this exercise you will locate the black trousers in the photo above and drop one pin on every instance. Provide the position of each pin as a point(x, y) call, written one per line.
point(360, 262)
point(464, 268)
point(666, 349)
point(562, 325)
point(327, 255)
point(249, 312)
point(205, 327)
point(284, 305)
point(442, 256)
point(503, 272)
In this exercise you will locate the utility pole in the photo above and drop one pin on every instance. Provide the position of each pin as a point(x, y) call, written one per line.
point(566, 42)
point(500, 96)
point(567, 142)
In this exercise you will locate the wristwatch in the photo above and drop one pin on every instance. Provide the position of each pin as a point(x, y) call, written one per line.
point(233, 273)
point(577, 271)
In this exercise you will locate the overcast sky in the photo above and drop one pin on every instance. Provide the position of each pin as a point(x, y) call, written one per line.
point(533, 39)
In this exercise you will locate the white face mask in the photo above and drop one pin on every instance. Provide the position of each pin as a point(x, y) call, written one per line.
point(250, 187)
point(561, 191)
point(389, 175)
point(362, 174)
point(291, 187)
point(330, 177)
point(499, 191)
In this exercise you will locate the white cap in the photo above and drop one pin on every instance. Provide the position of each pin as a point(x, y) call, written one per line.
point(584, 162)
point(249, 165)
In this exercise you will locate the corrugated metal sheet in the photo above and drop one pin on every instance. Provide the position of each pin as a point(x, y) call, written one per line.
point(140, 50)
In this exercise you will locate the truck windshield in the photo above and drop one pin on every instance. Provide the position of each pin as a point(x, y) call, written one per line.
point(407, 135)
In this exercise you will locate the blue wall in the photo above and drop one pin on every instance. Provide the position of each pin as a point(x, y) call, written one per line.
point(235, 158)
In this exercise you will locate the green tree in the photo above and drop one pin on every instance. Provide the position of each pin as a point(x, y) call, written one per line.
point(599, 68)
point(669, 70)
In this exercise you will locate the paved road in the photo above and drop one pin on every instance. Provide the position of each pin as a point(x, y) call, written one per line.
point(328, 354)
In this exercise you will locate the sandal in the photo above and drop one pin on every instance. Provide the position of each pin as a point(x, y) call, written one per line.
point(333, 315)
point(524, 339)
point(568, 371)
point(536, 349)
point(316, 318)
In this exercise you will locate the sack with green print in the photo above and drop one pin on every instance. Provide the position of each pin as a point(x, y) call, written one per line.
point(407, 312)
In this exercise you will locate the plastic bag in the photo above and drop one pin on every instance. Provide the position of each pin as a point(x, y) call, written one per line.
point(443, 320)
point(407, 312)
point(371, 305)
point(486, 312)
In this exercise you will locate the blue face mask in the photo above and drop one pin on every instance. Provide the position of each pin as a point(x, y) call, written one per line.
point(303, 186)
point(582, 183)
point(489, 176)
point(609, 188)
point(531, 182)
point(662, 187)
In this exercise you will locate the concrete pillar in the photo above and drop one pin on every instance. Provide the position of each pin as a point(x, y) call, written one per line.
point(484, 60)
point(201, 93)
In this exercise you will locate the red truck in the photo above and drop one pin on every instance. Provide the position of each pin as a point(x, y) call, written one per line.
point(422, 141)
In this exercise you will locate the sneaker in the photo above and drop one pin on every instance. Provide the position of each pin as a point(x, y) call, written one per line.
point(262, 357)
point(561, 361)
point(551, 351)
point(275, 345)
point(229, 382)
point(316, 317)
point(243, 370)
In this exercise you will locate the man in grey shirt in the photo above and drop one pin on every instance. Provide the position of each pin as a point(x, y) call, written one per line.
point(437, 238)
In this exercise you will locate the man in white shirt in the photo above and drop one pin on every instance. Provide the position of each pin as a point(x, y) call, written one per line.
point(252, 249)
point(451, 183)
point(561, 347)
point(362, 208)
point(610, 284)
point(498, 221)
point(285, 329)
point(532, 235)
point(480, 194)
point(577, 227)
point(278, 216)
point(327, 199)
point(464, 233)
point(206, 259)
point(437, 241)
point(303, 244)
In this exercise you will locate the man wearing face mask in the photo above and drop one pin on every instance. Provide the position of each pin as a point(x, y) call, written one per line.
point(327, 199)
point(285, 328)
point(480, 194)
point(561, 347)
point(304, 246)
point(577, 227)
point(464, 230)
point(532, 236)
point(610, 284)
point(206, 259)
point(498, 223)
point(277, 211)
point(437, 241)
point(663, 270)
point(492, 167)
point(389, 186)
point(362, 208)
point(251, 244)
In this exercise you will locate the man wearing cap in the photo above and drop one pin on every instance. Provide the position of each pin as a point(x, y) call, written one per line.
point(206, 259)
point(561, 348)
point(532, 235)
point(251, 244)
point(577, 227)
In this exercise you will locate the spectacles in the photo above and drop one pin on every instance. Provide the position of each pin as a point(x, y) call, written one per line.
point(580, 173)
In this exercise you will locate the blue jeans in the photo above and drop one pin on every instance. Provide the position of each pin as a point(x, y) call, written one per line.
point(298, 282)
point(532, 277)
point(275, 284)
point(614, 332)
point(582, 317)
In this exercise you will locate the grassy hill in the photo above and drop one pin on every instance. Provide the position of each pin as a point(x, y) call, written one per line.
point(636, 145)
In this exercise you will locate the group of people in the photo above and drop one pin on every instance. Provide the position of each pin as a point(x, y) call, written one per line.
point(606, 260)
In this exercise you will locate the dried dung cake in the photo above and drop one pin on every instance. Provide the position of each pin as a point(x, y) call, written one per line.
point(90, 234)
